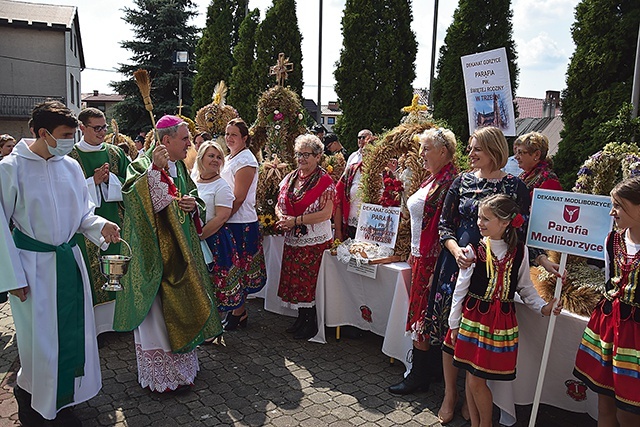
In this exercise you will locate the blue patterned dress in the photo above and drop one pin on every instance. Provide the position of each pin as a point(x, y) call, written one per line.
point(459, 221)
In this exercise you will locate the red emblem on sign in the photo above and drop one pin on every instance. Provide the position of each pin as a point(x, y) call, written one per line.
point(571, 213)
point(366, 313)
point(577, 390)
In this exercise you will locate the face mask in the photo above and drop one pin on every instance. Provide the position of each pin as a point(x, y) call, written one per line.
point(63, 146)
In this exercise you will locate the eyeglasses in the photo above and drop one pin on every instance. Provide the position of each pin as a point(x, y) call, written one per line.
point(520, 152)
point(362, 136)
point(303, 155)
point(97, 128)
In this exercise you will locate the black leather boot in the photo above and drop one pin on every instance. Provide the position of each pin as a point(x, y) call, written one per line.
point(296, 325)
point(418, 379)
point(309, 327)
point(28, 416)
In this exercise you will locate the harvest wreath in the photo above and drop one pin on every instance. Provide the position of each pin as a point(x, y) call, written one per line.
point(399, 141)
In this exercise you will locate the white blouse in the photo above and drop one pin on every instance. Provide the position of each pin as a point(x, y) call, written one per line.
point(216, 193)
point(415, 205)
point(245, 158)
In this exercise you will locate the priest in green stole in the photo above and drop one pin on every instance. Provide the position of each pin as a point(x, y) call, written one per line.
point(168, 298)
point(105, 167)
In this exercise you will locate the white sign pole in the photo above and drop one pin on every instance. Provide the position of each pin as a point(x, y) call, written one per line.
point(547, 343)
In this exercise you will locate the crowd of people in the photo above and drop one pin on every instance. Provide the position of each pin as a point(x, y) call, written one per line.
point(197, 254)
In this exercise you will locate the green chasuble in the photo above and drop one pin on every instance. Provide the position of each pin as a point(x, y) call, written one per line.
point(113, 211)
point(167, 261)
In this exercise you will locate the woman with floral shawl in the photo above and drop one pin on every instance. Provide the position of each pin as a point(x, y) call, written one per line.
point(437, 149)
point(304, 208)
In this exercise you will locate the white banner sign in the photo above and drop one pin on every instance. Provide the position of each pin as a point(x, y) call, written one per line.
point(488, 90)
point(378, 224)
point(572, 223)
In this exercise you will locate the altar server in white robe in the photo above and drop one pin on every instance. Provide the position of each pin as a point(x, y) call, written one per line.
point(45, 194)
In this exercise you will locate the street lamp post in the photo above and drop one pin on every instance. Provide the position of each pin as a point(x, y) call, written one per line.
point(180, 63)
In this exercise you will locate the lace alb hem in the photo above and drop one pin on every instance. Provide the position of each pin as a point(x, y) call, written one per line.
point(159, 191)
point(163, 371)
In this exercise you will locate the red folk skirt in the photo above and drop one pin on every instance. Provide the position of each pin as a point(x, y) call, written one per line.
point(419, 299)
point(487, 342)
point(608, 359)
point(299, 273)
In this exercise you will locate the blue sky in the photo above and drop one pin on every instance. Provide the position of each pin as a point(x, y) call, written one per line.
point(541, 32)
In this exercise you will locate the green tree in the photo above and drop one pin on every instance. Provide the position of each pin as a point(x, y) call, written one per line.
point(214, 52)
point(478, 26)
point(599, 78)
point(160, 28)
point(279, 33)
point(243, 85)
point(376, 69)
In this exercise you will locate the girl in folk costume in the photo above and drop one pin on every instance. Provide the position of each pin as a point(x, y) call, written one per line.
point(483, 334)
point(608, 358)
point(304, 208)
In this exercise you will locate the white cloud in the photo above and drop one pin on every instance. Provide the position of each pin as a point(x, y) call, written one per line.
point(540, 52)
point(532, 14)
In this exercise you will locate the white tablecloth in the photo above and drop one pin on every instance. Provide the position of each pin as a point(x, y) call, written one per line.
point(273, 247)
point(346, 298)
point(559, 384)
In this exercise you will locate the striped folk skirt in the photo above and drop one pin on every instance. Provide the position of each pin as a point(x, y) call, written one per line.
point(608, 359)
point(487, 341)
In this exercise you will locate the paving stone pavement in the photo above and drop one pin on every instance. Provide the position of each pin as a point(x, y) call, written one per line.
point(261, 376)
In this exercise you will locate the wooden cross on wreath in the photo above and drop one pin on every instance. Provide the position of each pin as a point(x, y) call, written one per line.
point(281, 70)
point(414, 108)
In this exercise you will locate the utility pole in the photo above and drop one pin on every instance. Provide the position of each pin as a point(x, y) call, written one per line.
point(319, 112)
point(635, 92)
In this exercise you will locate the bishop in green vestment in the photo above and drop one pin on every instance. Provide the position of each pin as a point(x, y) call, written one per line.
point(168, 299)
point(105, 167)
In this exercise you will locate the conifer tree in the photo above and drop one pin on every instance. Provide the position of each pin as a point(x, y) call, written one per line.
point(214, 52)
point(376, 69)
point(478, 26)
point(279, 33)
point(160, 28)
point(599, 79)
point(243, 85)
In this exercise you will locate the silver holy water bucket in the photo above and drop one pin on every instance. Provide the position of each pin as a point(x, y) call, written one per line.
point(114, 267)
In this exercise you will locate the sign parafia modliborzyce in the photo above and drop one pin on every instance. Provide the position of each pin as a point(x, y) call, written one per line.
point(572, 223)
